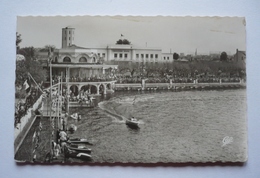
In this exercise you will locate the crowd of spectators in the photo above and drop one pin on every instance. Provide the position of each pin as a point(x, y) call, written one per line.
point(81, 98)
point(126, 79)
point(180, 79)
point(22, 106)
point(160, 79)
point(92, 79)
point(184, 75)
point(55, 79)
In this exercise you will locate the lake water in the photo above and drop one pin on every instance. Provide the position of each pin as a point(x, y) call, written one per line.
point(187, 126)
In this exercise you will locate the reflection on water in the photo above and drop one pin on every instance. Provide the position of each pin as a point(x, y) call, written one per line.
point(174, 126)
point(133, 128)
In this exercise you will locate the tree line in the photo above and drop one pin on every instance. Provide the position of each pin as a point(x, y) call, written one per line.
point(30, 63)
point(182, 69)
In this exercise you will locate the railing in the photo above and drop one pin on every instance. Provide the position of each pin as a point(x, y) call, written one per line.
point(90, 79)
point(180, 80)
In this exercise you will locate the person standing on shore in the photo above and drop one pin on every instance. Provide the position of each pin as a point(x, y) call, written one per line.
point(90, 100)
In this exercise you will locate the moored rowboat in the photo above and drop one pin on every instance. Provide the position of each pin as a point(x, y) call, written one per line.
point(79, 140)
point(81, 150)
point(76, 154)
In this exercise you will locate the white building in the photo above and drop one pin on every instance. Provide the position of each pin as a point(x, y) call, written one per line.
point(70, 53)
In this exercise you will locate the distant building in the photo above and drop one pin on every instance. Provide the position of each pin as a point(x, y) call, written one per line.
point(167, 57)
point(215, 53)
point(189, 57)
point(117, 52)
point(120, 53)
point(240, 56)
point(82, 66)
point(67, 37)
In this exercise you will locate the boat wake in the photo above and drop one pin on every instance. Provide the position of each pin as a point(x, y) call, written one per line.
point(123, 105)
point(132, 99)
point(117, 118)
point(140, 122)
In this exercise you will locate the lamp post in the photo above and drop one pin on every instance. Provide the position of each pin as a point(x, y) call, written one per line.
point(51, 136)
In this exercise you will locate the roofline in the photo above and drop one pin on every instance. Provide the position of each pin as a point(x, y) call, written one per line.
point(68, 28)
point(89, 65)
point(129, 47)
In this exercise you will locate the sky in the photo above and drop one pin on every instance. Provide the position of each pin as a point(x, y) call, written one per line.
point(171, 34)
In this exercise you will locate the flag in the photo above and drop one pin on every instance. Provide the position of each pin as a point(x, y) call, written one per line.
point(49, 52)
point(34, 136)
point(40, 126)
point(26, 86)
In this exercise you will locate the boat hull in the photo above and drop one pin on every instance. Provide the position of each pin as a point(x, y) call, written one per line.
point(78, 141)
point(78, 155)
point(75, 154)
point(80, 150)
point(132, 123)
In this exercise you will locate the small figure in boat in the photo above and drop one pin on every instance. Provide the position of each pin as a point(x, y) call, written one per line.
point(133, 119)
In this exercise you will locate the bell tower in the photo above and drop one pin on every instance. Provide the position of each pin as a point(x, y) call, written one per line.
point(67, 37)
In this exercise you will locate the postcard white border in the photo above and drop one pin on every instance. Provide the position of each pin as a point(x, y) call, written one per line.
point(10, 9)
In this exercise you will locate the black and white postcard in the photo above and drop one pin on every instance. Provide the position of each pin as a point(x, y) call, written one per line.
point(130, 89)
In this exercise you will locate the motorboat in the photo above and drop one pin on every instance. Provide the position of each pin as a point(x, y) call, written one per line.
point(78, 141)
point(75, 154)
point(78, 148)
point(132, 122)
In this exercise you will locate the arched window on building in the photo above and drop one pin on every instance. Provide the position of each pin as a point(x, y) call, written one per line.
point(83, 59)
point(66, 59)
point(94, 60)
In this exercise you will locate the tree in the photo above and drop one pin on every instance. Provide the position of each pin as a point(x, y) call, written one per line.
point(176, 56)
point(223, 56)
point(48, 48)
point(124, 42)
point(18, 41)
point(33, 67)
point(28, 52)
point(29, 65)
